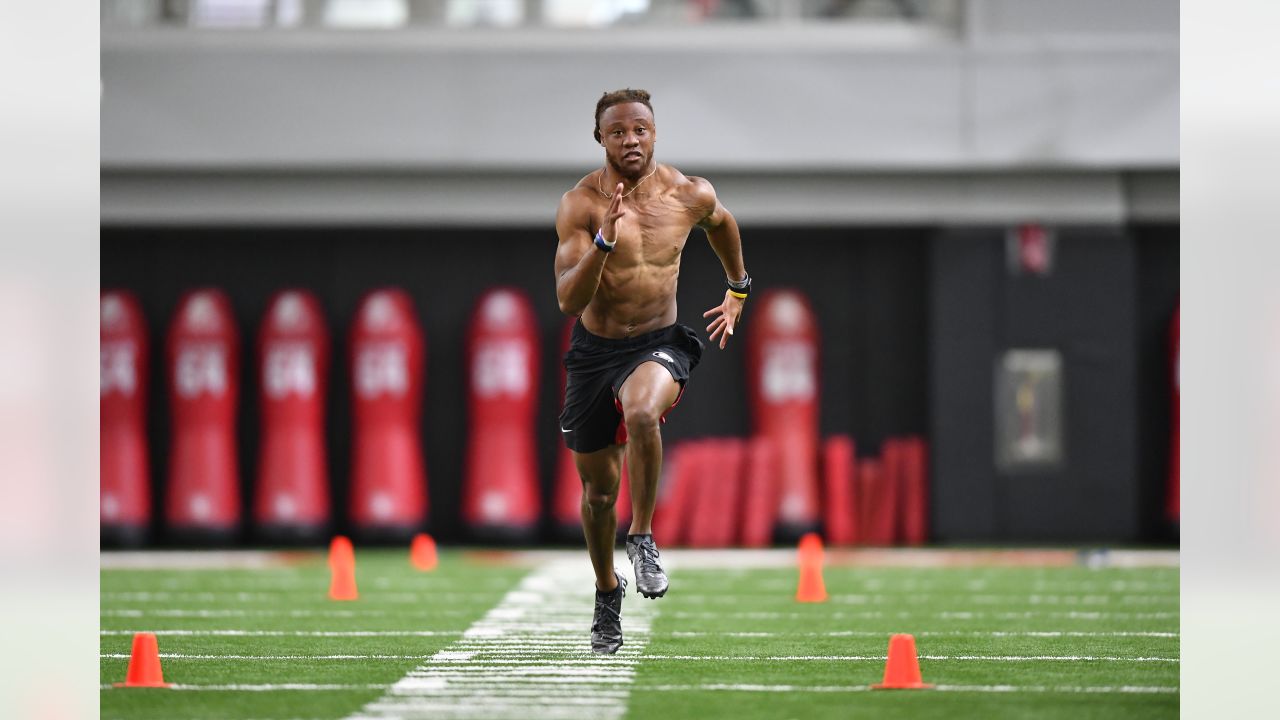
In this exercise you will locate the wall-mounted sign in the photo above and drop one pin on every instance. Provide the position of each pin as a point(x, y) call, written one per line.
point(1028, 403)
point(1030, 250)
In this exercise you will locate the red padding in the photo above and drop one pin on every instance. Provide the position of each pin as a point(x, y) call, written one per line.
point(915, 499)
point(871, 490)
point(719, 483)
point(891, 458)
point(676, 496)
point(760, 504)
point(839, 454)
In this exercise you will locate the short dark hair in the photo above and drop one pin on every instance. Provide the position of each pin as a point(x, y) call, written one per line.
point(617, 97)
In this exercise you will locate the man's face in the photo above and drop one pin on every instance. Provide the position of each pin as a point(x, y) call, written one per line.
point(627, 133)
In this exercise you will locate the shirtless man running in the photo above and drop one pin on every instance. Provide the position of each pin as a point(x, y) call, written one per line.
point(622, 229)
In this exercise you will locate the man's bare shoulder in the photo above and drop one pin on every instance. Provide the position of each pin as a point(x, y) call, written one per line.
point(694, 192)
point(580, 199)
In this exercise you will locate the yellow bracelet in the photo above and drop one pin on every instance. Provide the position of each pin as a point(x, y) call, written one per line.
point(740, 296)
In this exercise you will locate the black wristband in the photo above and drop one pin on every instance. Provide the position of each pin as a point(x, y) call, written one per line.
point(741, 289)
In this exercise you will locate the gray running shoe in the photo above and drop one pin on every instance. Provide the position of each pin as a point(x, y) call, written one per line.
point(651, 581)
point(606, 626)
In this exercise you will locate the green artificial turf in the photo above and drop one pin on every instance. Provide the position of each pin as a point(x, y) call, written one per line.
point(715, 650)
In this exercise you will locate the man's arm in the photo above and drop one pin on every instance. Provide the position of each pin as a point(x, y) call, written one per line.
point(722, 232)
point(579, 263)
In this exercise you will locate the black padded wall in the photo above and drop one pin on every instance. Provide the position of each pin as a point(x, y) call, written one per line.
point(869, 288)
point(1087, 310)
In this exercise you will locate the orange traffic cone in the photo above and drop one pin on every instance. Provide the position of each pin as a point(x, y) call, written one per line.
point(422, 553)
point(144, 663)
point(812, 588)
point(341, 551)
point(902, 670)
point(342, 570)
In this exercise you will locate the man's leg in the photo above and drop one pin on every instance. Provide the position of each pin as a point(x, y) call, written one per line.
point(645, 395)
point(600, 472)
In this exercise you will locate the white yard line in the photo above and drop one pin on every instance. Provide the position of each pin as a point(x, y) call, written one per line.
point(944, 615)
point(290, 633)
point(228, 613)
point(184, 656)
point(553, 643)
point(505, 658)
point(539, 632)
point(532, 696)
point(1159, 689)
point(912, 586)
point(924, 633)
point(281, 596)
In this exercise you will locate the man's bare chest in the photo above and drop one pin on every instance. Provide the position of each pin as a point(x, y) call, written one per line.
point(652, 234)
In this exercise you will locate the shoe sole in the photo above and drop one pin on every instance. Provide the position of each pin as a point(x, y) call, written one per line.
point(652, 596)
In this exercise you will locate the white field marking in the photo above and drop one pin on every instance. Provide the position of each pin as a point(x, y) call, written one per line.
point(945, 615)
point(914, 558)
point(882, 658)
point(915, 586)
point(1138, 689)
point(183, 656)
point(528, 697)
point(291, 633)
point(529, 656)
point(293, 579)
point(999, 599)
point(308, 687)
point(926, 633)
point(277, 597)
point(721, 599)
point(226, 613)
point(497, 663)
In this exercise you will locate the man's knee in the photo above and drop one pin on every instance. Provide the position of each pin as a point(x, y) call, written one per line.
point(599, 501)
point(642, 418)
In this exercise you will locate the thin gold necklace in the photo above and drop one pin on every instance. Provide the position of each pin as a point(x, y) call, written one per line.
point(633, 187)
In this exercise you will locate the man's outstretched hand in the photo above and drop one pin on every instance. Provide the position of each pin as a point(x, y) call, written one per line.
point(610, 228)
point(726, 314)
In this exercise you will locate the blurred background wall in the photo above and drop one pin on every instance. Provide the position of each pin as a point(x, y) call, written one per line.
point(891, 160)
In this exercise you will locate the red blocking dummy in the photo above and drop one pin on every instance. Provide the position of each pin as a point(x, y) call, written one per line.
point(915, 492)
point(501, 493)
point(389, 479)
point(760, 493)
point(869, 495)
point(292, 493)
point(888, 520)
point(782, 360)
point(125, 488)
point(838, 457)
point(202, 366)
point(675, 507)
point(716, 493)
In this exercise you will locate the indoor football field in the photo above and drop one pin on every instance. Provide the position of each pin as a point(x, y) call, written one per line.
point(504, 634)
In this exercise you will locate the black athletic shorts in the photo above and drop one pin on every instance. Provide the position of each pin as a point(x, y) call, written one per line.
point(596, 367)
